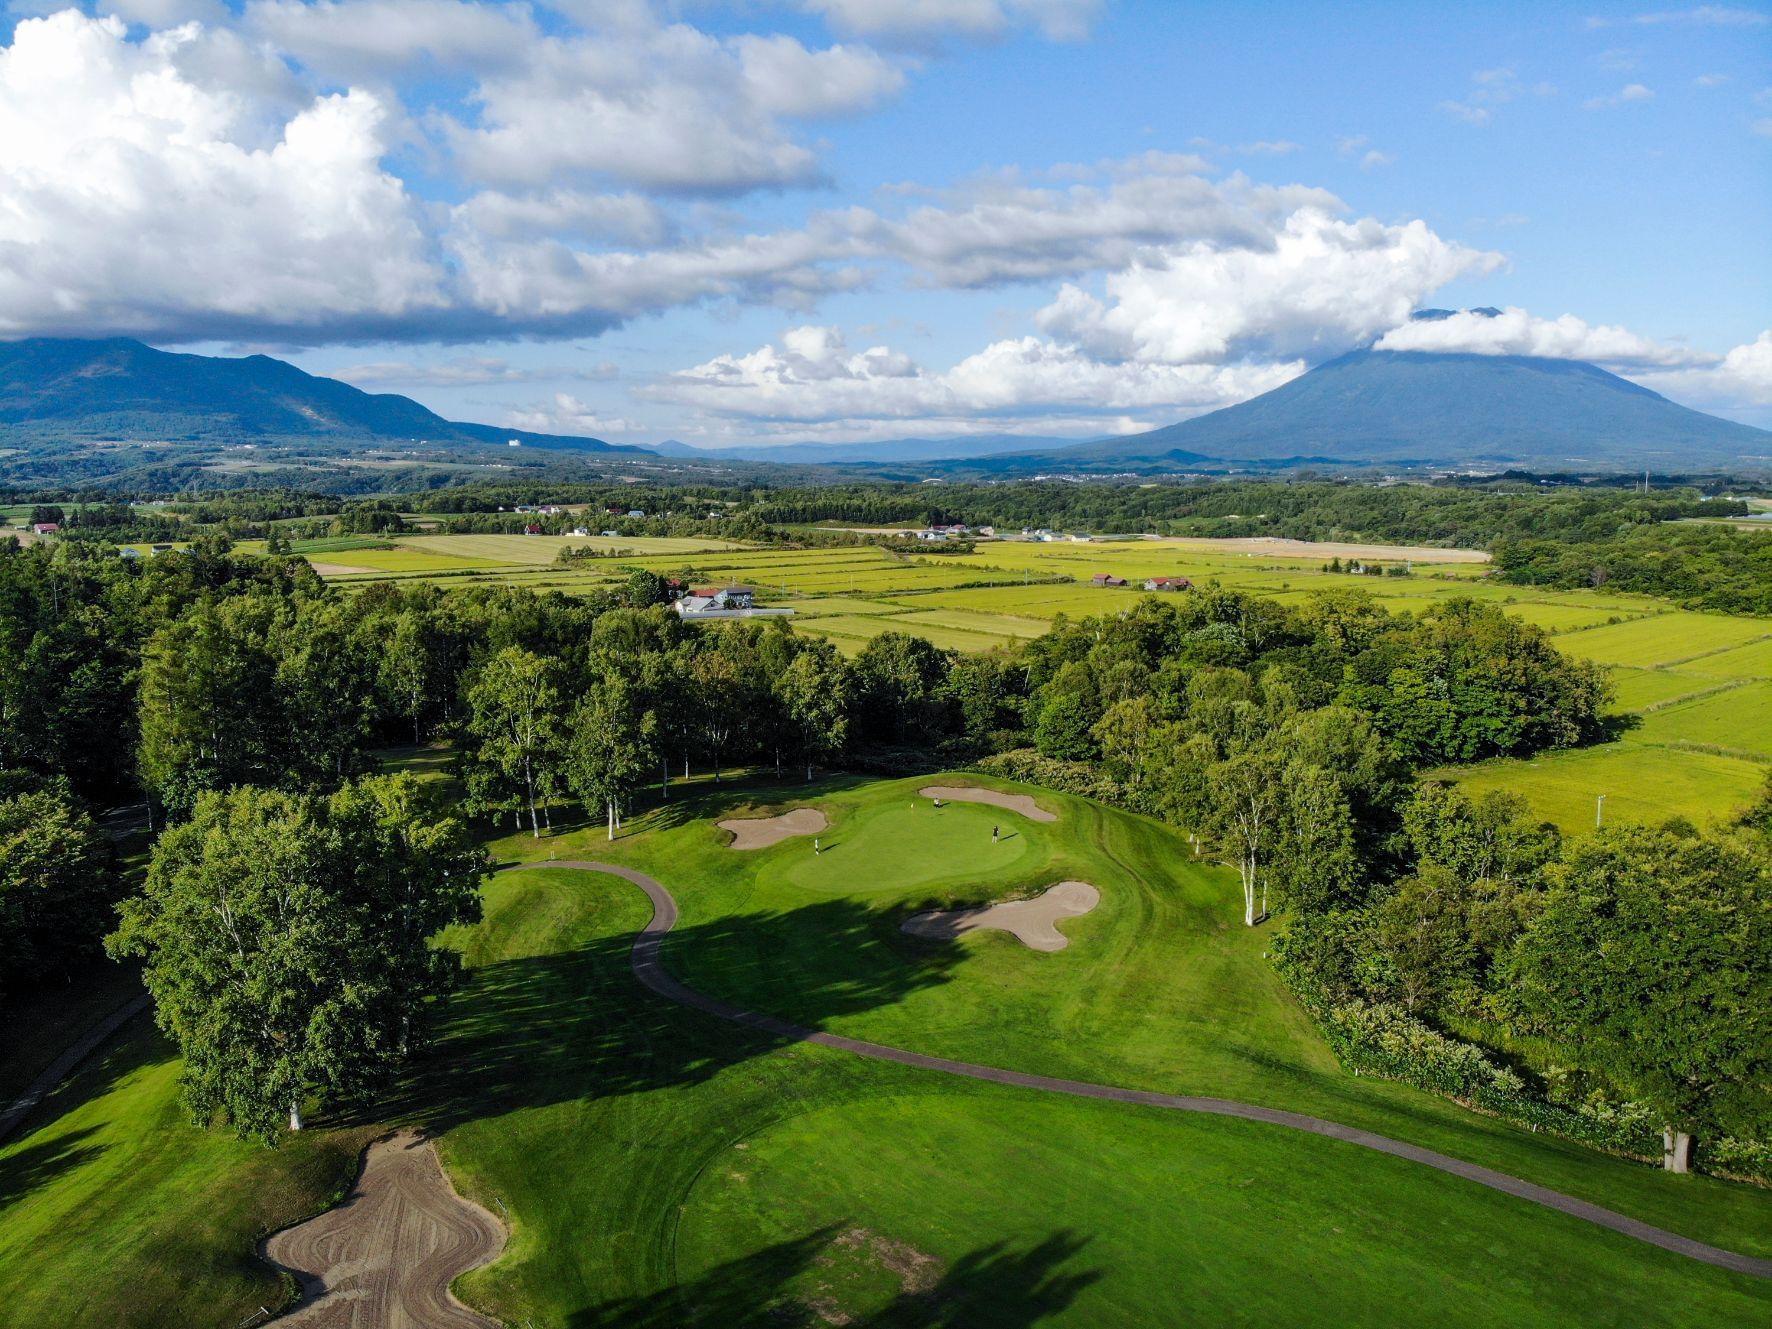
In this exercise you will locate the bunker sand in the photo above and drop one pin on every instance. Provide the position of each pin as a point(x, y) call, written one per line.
point(384, 1259)
point(1034, 923)
point(1022, 803)
point(761, 832)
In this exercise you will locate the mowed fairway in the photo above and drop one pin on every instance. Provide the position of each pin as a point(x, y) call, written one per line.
point(659, 1167)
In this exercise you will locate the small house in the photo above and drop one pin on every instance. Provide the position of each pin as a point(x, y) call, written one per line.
point(44, 528)
point(1106, 579)
point(1168, 584)
point(532, 529)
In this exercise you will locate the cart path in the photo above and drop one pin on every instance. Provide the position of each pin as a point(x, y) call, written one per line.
point(652, 974)
point(385, 1257)
point(63, 1066)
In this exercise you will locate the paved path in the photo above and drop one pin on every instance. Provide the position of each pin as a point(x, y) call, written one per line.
point(651, 972)
point(59, 1069)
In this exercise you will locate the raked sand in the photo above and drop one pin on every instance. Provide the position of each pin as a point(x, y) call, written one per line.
point(1034, 923)
point(761, 832)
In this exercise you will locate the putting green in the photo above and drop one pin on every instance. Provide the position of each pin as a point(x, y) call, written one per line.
point(896, 848)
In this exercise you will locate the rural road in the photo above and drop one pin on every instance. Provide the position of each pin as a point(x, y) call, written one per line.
point(651, 972)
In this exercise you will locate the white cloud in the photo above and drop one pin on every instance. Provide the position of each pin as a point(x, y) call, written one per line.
point(1710, 80)
point(1489, 89)
point(625, 218)
point(1629, 93)
point(1318, 287)
point(371, 39)
point(787, 79)
point(1717, 16)
point(462, 371)
point(1359, 145)
point(996, 231)
point(916, 20)
point(110, 150)
point(812, 377)
point(667, 108)
point(1516, 332)
point(566, 414)
point(1742, 378)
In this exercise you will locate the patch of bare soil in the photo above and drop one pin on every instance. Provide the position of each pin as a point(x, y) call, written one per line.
point(384, 1259)
point(338, 569)
point(1034, 923)
point(761, 832)
point(1022, 803)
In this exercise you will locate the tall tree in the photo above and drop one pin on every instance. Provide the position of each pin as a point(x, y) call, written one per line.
point(515, 715)
point(286, 941)
point(611, 747)
point(1245, 811)
point(814, 693)
point(54, 885)
point(1651, 958)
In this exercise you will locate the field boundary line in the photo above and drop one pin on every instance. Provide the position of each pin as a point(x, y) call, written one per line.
point(649, 969)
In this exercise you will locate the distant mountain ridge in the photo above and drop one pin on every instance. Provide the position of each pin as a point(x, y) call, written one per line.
point(1445, 407)
point(119, 387)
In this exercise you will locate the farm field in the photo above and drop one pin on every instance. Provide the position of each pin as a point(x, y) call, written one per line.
point(1701, 743)
point(660, 1168)
point(1007, 592)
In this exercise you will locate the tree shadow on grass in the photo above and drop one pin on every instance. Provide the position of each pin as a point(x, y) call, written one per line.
point(553, 1028)
point(796, 1284)
point(24, 1170)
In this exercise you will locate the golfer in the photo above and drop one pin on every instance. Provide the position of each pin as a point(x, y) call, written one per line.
point(993, 835)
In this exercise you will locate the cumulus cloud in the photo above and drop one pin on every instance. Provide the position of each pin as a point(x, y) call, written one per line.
point(566, 414)
point(110, 150)
point(1516, 332)
point(669, 108)
point(813, 376)
point(370, 39)
point(1740, 379)
point(1319, 286)
point(995, 231)
point(916, 20)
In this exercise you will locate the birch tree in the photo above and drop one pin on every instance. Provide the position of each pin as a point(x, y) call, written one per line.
point(288, 942)
point(515, 714)
point(1245, 810)
point(611, 747)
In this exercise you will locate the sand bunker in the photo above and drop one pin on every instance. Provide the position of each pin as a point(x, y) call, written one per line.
point(387, 1255)
point(1034, 923)
point(761, 832)
point(1022, 803)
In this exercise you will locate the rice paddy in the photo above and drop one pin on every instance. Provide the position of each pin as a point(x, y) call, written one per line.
point(1694, 691)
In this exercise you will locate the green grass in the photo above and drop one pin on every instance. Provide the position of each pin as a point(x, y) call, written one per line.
point(1642, 783)
point(115, 1211)
point(1640, 688)
point(42, 1025)
point(660, 1168)
point(1739, 719)
point(1074, 1213)
point(1663, 638)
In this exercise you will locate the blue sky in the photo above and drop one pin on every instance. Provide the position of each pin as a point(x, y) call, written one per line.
point(853, 219)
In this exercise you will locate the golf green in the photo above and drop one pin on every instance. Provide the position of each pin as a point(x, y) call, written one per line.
point(899, 847)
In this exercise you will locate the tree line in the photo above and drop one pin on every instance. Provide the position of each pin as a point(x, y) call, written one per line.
point(244, 699)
